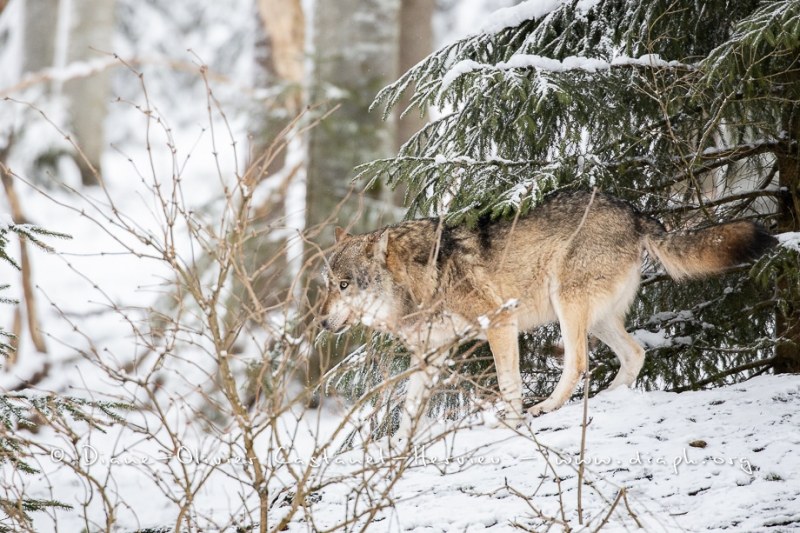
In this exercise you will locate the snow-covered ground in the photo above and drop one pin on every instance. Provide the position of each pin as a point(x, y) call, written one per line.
point(722, 459)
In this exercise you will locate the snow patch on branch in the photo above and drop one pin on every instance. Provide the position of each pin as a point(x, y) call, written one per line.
point(78, 69)
point(659, 339)
point(6, 222)
point(583, 6)
point(441, 159)
point(547, 64)
point(790, 240)
point(649, 60)
point(515, 15)
point(459, 69)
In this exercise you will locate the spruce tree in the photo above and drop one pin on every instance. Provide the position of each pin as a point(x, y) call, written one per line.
point(21, 411)
point(688, 110)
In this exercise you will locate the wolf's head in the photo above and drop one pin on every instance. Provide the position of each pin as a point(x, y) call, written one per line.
point(359, 286)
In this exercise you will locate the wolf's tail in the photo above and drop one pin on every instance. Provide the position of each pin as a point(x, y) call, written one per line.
point(701, 252)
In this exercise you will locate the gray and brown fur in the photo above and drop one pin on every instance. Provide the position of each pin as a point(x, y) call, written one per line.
point(575, 259)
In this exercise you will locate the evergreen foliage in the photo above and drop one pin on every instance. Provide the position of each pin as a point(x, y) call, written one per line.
point(29, 232)
point(27, 412)
point(19, 412)
point(689, 110)
point(32, 234)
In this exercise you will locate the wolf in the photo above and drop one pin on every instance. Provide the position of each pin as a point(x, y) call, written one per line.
point(575, 259)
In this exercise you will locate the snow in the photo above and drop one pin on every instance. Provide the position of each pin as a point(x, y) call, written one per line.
point(542, 63)
point(459, 69)
point(652, 339)
point(790, 240)
point(531, 10)
point(78, 69)
point(649, 60)
point(471, 474)
point(731, 449)
point(584, 6)
point(659, 339)
point(6, 221)
point(515, 15)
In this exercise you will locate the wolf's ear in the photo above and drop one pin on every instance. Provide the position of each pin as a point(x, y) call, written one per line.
point(382, 247)
point(340, 234)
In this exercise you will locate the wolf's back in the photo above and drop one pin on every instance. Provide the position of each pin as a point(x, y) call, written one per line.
point(701, 252)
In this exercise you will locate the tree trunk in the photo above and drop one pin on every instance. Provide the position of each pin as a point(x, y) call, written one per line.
point(285, 28)
point(279, 65)
point(416, 42)
point(355, 55)
point(40, 21)
point(787, 324)
point(355, 43)
point(280, 57)
point(91, 31)
point(270, 263)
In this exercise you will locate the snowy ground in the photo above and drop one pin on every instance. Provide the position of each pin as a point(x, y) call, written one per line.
point(713, 460)
point(723, 459)
point(745, 478)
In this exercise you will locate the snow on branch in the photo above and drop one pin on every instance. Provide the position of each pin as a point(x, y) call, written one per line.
point(79, 69)
point(85, 69)
point(571, 63)
point(790, 240)
point(530, 10)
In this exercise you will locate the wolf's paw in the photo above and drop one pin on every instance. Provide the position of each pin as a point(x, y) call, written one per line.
point(622, 380)
point(507, 416)
point(543, 407)
point(398, 443)
point(511, 420)
point(515, 422)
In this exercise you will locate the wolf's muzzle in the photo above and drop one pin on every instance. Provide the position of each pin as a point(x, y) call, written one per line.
point(327, 325)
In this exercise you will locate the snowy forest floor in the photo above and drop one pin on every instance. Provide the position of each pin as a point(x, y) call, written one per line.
point(722, 459)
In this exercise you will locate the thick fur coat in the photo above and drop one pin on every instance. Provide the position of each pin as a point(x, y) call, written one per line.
point(575, 259)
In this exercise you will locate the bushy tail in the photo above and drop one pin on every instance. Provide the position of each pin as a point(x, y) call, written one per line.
point(697, 253)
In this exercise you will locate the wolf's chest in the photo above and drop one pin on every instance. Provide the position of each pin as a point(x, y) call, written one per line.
point(437, 331)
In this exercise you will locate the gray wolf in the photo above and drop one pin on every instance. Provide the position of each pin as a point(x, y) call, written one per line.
point(575, 259)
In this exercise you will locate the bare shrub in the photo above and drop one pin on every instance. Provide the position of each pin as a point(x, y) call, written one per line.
point(217, 433)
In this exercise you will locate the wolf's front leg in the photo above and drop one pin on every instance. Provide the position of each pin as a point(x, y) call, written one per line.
point(505, 349)
point(419, 385)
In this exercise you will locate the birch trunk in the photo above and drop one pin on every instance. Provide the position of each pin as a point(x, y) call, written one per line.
point(40, 20)
point(91, 32)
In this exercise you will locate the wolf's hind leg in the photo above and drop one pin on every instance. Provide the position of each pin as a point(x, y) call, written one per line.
point(573, 321)
point(631, 355)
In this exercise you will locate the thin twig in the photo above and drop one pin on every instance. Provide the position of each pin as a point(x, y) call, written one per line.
point(584, 424)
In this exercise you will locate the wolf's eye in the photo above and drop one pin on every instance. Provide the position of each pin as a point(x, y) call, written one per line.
point(344, 284)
